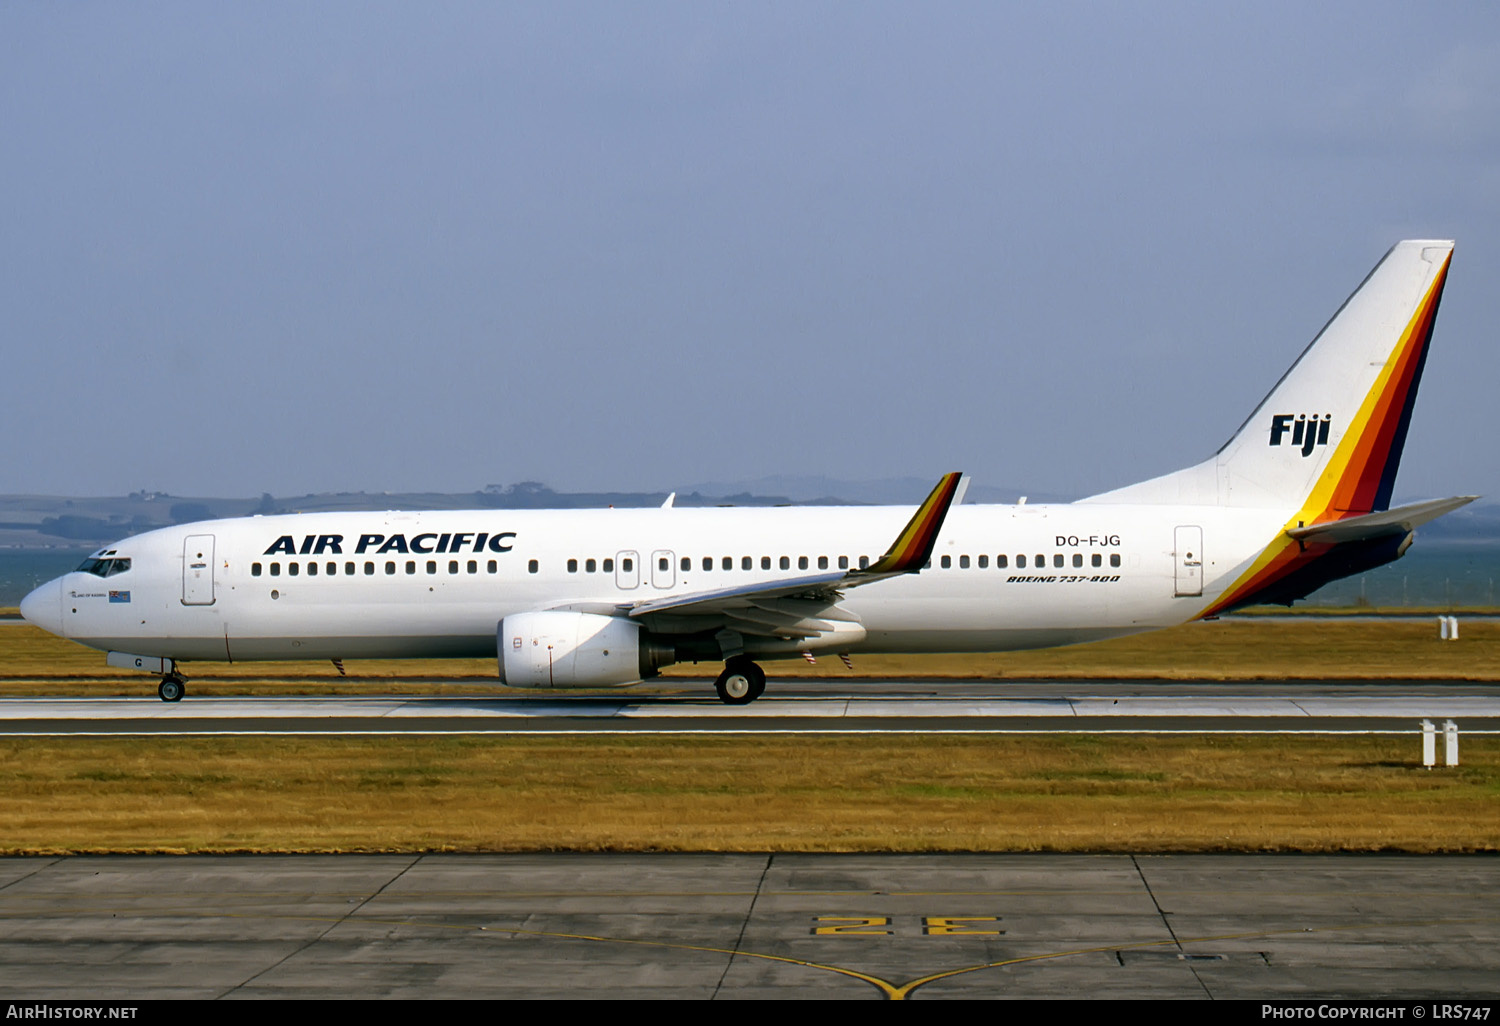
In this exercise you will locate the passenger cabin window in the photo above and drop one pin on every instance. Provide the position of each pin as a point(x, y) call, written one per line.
point(589, 565)
point(1057, 560)
point(801, 562)
point(864, 562)
point(390, 567)
point(572, 566)
point(708, 563)
point(822, 562)
point(1001, 562)
point(947, 562)
point(369, 568)
point(963, 562)
point(292, 569)
point(1020, 562)
point(1114, 559)
point(312, 569)
point(687, 564)
point(1078, 559)
point(984, 561)
point(843, 562)
point(432, 566)
point(765, 562)
point(254, 569)
point(411, 566)
point(493, 566)
point(786, 563)
point(609, 565)
point(628, 565)
point(453, 566)
point(275, 569)
point(746, 562)
point(531, 567)
point(726, 563)
point(348, 568)
point(1096, 560)
point(331, 569)
point(473, 566)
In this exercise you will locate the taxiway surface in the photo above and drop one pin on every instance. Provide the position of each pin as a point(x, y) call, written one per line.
point(825, 706)
point(750, 926)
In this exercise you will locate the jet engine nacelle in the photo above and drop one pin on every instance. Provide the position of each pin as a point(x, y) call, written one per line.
point(574, 650)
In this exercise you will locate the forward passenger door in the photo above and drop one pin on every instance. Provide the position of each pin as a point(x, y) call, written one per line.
point(198, 570)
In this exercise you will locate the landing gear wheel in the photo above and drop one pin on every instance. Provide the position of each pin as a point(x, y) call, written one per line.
point(171, 689)
point(741, 683)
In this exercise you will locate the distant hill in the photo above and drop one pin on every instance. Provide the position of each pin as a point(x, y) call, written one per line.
point(812, 490)
point(1478, 521)
point(49, 521)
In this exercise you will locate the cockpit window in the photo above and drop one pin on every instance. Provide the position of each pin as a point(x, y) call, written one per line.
point(104, 567)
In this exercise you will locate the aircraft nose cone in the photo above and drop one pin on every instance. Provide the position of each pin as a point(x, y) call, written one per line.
point(43, 607)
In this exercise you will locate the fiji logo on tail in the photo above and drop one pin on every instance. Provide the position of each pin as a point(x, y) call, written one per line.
point(1308, 430)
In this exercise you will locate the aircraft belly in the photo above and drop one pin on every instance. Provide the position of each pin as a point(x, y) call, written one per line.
point(386, 646)
point(389, 646)
point(1005, 640)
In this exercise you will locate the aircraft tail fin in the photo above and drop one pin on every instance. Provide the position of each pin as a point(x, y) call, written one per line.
point(1327, 439)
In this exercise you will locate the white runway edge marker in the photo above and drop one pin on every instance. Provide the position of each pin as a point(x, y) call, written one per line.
point(1429, 744)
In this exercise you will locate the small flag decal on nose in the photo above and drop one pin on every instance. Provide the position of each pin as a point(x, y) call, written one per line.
point(119, 596)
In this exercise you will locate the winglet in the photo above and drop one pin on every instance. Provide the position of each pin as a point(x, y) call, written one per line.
point(913, 546)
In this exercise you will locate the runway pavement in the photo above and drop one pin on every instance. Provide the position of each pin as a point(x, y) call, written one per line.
point(887, 707)
point(750, 926)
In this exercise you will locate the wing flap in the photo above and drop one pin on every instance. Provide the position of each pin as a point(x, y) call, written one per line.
point(735, 622)
point(743, 596)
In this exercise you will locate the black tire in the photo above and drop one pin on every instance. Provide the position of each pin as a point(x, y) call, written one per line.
point(741, 683)
point(171, 689)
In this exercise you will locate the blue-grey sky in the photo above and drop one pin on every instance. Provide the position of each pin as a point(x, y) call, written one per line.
point(295, 247)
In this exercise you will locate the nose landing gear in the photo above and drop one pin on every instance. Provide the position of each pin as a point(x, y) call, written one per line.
point(741, 683)
point(172, 687)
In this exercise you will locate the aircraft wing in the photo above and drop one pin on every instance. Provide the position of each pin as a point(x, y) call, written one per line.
point(787, 607)
point(1400, 520)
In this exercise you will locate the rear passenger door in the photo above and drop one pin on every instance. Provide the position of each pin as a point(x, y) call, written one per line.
point(1188, 554)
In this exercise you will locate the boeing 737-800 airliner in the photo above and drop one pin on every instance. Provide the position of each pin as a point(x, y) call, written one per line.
point(1298, 497)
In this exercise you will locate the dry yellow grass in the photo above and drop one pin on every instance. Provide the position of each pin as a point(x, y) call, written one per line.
point(33, 662)
point(1217, 650)
point(932, 793)
point(936, 793)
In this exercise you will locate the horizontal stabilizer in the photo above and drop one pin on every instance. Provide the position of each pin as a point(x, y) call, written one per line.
point(1374, 525)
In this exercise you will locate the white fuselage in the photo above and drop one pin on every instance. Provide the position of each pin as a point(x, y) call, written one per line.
point(385, 585)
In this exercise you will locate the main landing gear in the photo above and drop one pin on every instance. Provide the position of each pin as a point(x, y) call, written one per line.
point(741, 682)
point(172, 687)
